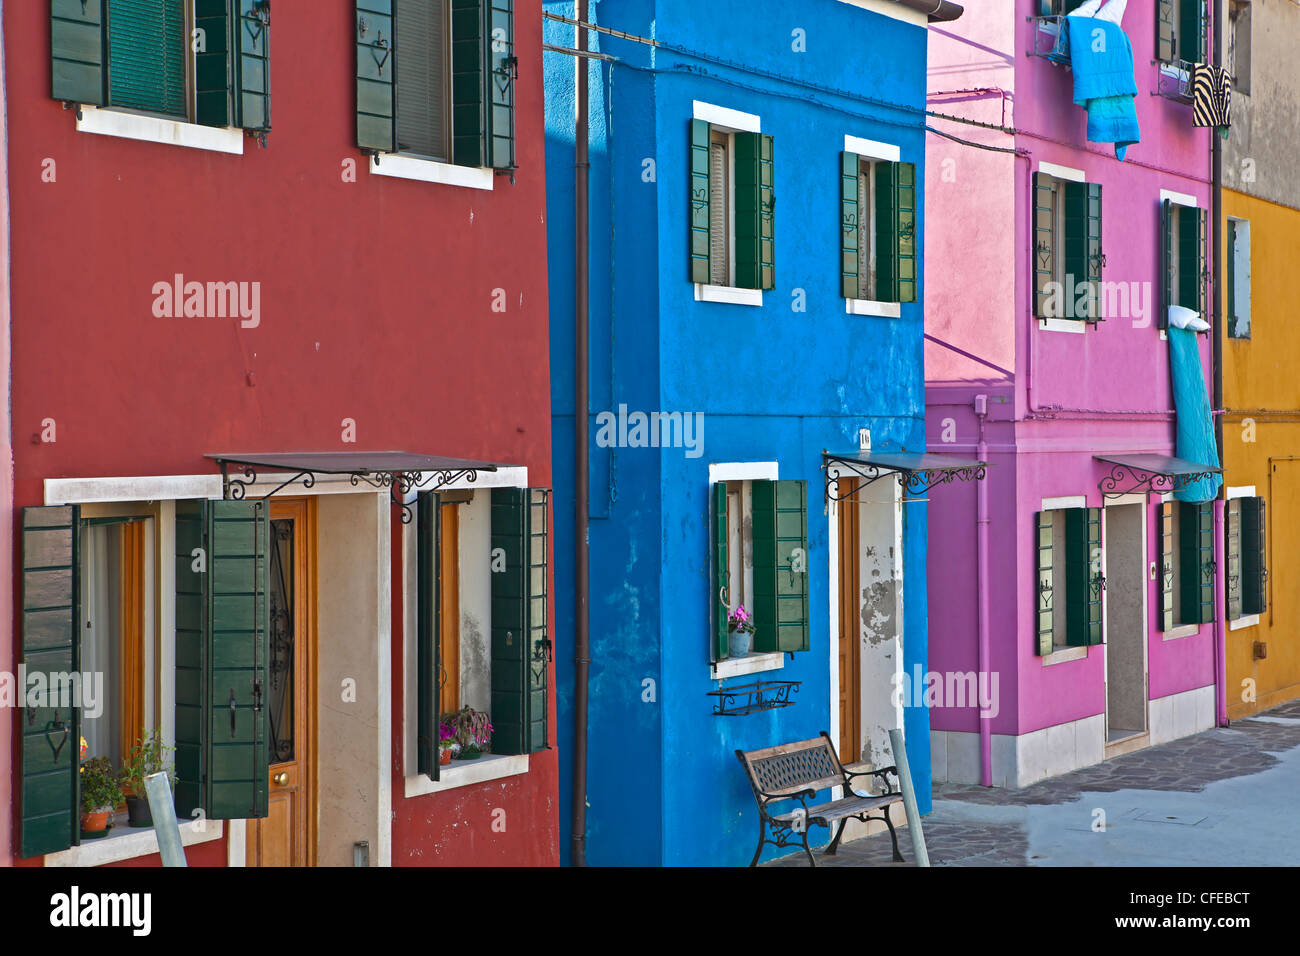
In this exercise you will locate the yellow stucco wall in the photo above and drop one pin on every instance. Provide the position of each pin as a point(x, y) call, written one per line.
point(1261, 447)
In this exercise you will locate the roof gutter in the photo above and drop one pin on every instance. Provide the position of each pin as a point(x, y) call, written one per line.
point(939, 11)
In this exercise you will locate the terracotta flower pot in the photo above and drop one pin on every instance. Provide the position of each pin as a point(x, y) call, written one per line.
point(94, 824)
point(444, 756)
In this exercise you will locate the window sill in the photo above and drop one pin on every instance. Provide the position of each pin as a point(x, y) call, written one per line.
point(155, 129)
point(750, 664)
point(1065, 655)
point(888, 310)
point(1076, 326)
point(1182, 630)
point(123, 843)
point(431, 171)
point(1246, 620)
point(728, 295)
point(465, 773)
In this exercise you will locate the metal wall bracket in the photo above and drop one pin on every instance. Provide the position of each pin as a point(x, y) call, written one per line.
point(758, 696)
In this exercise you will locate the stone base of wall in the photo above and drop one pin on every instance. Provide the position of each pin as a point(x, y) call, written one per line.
point(1019, 760)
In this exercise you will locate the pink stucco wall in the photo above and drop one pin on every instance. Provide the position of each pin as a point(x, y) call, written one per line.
point(1056, 398)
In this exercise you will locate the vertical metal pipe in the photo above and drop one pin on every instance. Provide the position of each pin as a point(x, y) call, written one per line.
point(983, 590)
point(582, 641)
point(163, 809)
point(1216, 361)
point(899, 747)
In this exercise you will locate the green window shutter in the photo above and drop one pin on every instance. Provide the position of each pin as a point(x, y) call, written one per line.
point(905, 231)
point(1196, 547)
point(520, 645)
point(1168, 250)
point(1165, 534)
point(500, 81)
point(49, 810)
point(191, 655)
point(850, 217)
point(236, 659)
point(1232, 553)
point(1202, 263)
point(77, 51)
point(428, 668)
point(1083, 255)
point(1083, 570)
point(252, 65)
point(886, 228)
point(1254, 557)
point(1165, 30)
point(468, 86)
point(212, 67)
point(1045, 240)
point(780, 534)
point(755, 265)
point(895, 232)
point(700, 236)
point(147, 52)
point(720, 597)
point(1043, 544)
point(1191, 31)
point(376, 66)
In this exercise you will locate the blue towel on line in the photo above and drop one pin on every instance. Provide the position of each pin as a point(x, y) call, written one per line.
point(1195, 433)
point(1101, 58)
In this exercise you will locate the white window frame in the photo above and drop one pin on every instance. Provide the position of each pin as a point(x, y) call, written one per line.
point(746, 472)
point(458, 773)
point(152, 128)
point(1231, 492)
point(722, 119)
point(871, 151)
point(1065, 652)
point(1241, 254)
point(1179, 630)
point(1062, 174)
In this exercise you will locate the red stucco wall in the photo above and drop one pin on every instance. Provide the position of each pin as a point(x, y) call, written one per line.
point(376, 306)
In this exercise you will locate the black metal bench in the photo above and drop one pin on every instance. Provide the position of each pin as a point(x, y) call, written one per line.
point(796, 772)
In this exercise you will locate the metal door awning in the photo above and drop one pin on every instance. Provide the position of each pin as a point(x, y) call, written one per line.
point(917, 472)
point(1144, 473)
point(401, 471)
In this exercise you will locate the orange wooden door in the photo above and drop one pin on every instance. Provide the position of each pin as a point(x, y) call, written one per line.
point(850, 647)
point(286, 837)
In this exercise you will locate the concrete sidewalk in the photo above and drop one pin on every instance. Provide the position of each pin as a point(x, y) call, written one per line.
point(1225, 797)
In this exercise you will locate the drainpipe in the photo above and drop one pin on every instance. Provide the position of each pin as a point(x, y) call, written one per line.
point(1216, 361)
point(982, 590)
point(582, 623)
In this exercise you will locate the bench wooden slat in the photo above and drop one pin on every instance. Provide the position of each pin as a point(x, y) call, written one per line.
point(824, 814)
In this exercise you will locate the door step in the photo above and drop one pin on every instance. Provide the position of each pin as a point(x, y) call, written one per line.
point(1124, 745)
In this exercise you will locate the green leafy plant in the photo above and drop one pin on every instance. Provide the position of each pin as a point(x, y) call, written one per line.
point(99, 788)
point(469, 753)
point(149, 756)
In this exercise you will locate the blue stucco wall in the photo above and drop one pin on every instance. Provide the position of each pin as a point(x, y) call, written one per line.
point(774, 384)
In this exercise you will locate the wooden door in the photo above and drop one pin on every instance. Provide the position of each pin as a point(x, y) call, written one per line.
point(850, 626)
point(286, 837)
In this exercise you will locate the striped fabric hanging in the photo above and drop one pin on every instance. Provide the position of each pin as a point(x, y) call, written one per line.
point(1211, 96)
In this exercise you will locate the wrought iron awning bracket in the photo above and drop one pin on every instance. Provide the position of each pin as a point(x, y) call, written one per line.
point(236, 489)
point(911, 482)
point(1146, 482)
point(405, 482)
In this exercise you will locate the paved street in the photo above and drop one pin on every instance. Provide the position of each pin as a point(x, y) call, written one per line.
point(1223, 797)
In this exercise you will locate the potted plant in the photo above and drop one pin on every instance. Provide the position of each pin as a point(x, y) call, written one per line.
point(99, 795)
point(446, 742)
point(147, 757)
point(472, 730)
point(740, 624)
